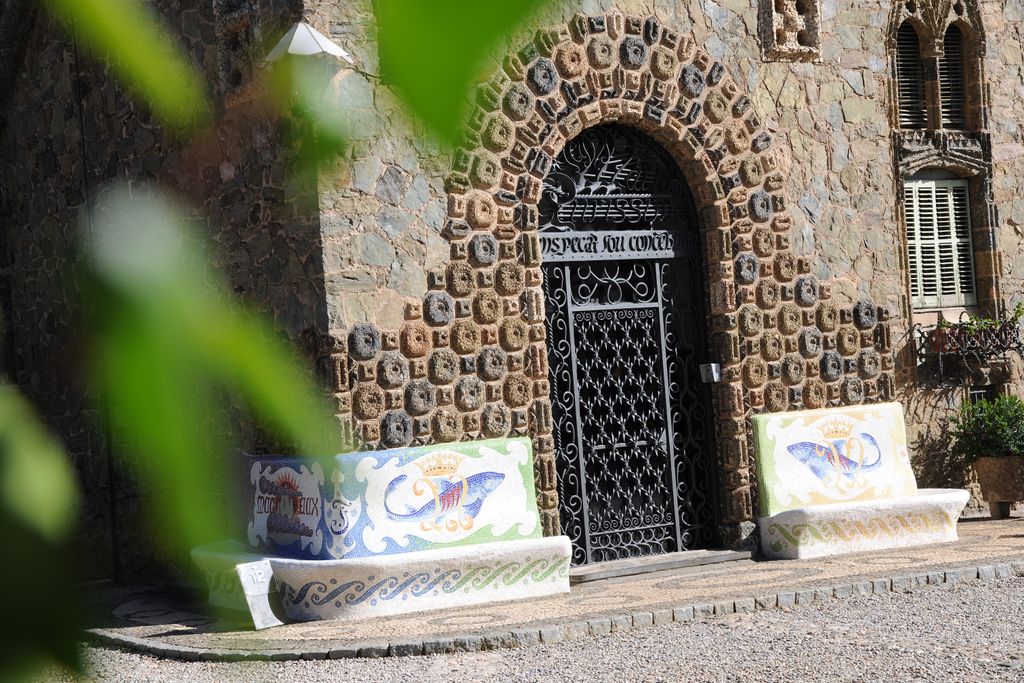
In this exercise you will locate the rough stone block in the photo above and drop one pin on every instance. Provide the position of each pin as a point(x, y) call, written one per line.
point(786, 599)
point(705, 609)
point(643, 619)
point(371, 652)
point(525, 637)
point(662, 617)
point(551, 634)
point(724, 607)
point(621, 622)
point(902, 584)
point(842, 591)
point(406, 648)
point(954, 576)
point(439, 646)
point(745, 605)
point(374, 650)
point(364, 341)
point(468, 643)
point(682, 613)
point(576, 630)
point(763, 602)
point(986, 573)
point(863, 588)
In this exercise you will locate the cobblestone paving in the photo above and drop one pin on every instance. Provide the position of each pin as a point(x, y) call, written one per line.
point(157, 621)
point(963, 632)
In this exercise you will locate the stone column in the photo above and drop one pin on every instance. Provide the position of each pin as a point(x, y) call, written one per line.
point(932, 95)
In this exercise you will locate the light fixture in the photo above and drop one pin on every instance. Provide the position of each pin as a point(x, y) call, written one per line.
point(304, 40)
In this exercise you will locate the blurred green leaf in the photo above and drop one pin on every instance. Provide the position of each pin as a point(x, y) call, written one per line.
point(37, 485)
point(38, 500)
point(300, 85)
point(168, 339)
point(246, 357)
point(162, 415)
point(128, 37)
point(432, 52)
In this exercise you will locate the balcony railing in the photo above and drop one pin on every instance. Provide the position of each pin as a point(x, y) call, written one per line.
point(958, 350)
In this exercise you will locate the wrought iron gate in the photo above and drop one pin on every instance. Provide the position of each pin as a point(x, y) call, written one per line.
point(624, 297)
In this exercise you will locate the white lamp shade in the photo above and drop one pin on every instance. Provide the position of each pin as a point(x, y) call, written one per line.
point(305, 40)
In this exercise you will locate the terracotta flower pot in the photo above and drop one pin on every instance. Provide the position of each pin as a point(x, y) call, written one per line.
point(1001, 481)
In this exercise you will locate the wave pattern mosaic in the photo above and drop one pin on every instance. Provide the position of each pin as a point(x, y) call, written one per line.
point(374, 587)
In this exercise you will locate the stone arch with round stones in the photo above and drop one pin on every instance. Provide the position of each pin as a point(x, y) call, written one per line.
point(470, 361)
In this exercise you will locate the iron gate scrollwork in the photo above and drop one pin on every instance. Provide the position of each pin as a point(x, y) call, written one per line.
point(624, 296)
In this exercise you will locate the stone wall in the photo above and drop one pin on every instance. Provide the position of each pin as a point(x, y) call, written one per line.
point(828, 115)
point(833, 116)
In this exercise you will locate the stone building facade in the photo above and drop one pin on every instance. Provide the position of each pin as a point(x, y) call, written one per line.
point(414, 277)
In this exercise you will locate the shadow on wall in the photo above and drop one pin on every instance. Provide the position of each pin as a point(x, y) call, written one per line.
point(930, 439)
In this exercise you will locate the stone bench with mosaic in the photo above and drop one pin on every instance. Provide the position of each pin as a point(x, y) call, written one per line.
point(839, 480)
point(377, 533)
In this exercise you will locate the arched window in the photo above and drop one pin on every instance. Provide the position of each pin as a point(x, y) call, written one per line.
point(910, 78)
point(952, 90)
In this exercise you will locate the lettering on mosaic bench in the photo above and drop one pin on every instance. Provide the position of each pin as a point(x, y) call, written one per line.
point(283, 502)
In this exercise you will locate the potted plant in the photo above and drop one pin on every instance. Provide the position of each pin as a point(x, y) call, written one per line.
point(990, 434)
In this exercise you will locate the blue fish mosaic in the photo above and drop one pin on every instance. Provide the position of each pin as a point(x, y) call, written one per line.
point(846, 456)
point(467, 494)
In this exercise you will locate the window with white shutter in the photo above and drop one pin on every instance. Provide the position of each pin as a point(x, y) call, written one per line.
point(910, 78)
point(952, 90)
point(940, 255)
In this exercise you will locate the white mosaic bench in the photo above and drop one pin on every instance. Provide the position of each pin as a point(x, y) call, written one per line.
point(386, 532)
point(839, 480)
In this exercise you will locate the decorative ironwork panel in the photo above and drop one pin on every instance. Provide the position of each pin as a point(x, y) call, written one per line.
point(609, 284)
point(689, 401)
point(625, 324)
point(623, 430)
point(610, 177)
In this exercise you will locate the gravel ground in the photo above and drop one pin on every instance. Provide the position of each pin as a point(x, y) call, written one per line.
point(966, 632)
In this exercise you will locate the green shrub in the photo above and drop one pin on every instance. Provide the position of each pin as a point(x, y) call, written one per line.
point(989, 428)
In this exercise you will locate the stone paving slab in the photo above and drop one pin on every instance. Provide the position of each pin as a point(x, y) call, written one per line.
point(652, 563)
point(151, 621)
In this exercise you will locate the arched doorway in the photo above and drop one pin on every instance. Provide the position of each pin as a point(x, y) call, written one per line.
point(623, 286)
